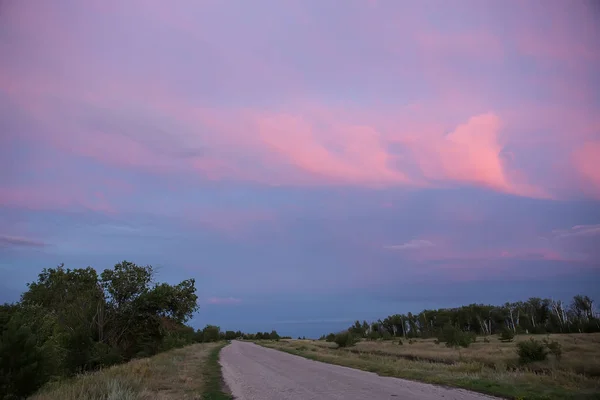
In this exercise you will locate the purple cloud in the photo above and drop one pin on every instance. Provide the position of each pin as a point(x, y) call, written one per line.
point(309, 157)
point(9, 241)
point(224, 300)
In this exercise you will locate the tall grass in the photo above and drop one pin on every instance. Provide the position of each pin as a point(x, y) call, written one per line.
point(186, 373)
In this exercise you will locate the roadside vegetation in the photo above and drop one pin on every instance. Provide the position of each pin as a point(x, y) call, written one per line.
point(77, 333)
point(71, 322)
point(192, 372)
point(533, 350)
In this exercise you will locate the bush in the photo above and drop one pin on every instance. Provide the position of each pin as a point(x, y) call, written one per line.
point(104, 355)
point(400, 343)
point(486, 340)
point(345, 339)
point(374, 335)
point(454, 337)
point(22, 361)
point(531, 350)
point(507, 335)
point(554, 347)
point(330, 337)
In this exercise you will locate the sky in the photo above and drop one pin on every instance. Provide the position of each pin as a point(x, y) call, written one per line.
point(308, 162)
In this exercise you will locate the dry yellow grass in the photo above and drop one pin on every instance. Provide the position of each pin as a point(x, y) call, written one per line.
point(486, 367)
point(176, 374)
point(581, 352)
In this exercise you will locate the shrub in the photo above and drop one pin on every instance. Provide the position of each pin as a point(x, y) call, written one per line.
point(507, 335)
point(374, 335)
point(436, 341)
point(486, 340)
point(554, 347)
point(454, 337)
point(330, 337)
point(400, 343)
point(531, 350)
point(386, 335)
point(345, 339)
point(22, 361)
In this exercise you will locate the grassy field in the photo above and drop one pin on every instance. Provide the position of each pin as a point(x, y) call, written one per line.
point(191, 372)
point(491, 368)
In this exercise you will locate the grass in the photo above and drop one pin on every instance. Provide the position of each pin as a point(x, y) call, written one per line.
point(192, 372)
point(490, 368)
point(214, 384)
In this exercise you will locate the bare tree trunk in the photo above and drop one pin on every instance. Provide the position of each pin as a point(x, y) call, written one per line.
point(512, 320)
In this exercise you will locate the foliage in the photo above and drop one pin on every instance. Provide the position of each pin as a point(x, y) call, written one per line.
point(531, 350)
point(454, 337)
point(330, 337)
point(210, 333)
point(74, 320)
point(554, 348)
point(22, 361)
point(345, 339)
point(535, 315)
point(507, 335)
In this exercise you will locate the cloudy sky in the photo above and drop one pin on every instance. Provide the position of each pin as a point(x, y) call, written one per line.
point(308, 162)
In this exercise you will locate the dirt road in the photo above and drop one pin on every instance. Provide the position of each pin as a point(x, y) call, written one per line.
point(256, 373)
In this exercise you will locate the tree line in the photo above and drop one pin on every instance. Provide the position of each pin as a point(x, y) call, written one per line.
point(535, 316)
point(213, 333)
point(71, 321)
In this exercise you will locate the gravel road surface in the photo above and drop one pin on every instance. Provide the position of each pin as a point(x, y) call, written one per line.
point(256, 373)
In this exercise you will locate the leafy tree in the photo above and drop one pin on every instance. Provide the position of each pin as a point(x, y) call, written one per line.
point(73, 320)
point(210, 333)
point(230, 335)
point(274, 335)
point(28, 354)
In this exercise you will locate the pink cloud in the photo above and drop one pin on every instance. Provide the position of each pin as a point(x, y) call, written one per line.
point(131, 109)
point(47, 197)
point(471, 154)
point(587, 162)
point(341, 154)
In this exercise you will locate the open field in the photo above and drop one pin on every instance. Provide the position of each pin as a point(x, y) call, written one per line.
point(191, 372)
point(491, 368)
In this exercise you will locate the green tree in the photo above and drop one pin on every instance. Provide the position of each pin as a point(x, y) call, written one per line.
point(211, 333)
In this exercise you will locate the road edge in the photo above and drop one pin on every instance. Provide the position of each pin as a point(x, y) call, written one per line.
point(216, 389)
